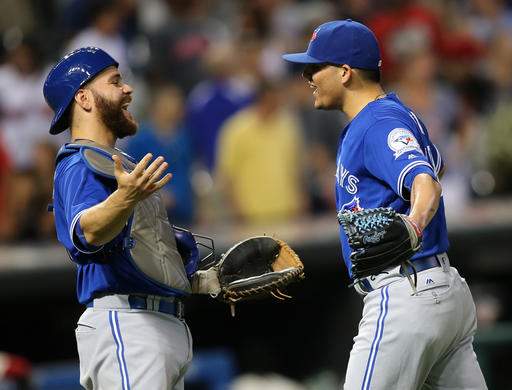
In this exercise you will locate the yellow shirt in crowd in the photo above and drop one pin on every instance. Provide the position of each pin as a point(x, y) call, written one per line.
point(260, 159)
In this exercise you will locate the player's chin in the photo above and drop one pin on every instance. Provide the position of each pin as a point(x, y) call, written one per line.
point(127, 130)
point(129, 127)
point(321, 104)
point(318, 103)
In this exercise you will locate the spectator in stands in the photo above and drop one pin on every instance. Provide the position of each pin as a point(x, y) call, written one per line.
point(106, 17)
point(215, 99)
point(18, 14)
point(496, 142)
point(405, 22)
point(23, 112)
point(418, 87)
point(177, 50)
point(259, 161)
point(30, 192)
point(5, 167)
point(164, 134)
point(22, 211)
point(486, 18)
point(44, 162)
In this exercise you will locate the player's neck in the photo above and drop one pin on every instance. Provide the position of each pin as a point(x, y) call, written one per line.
point(96, 132)
point(356, 100)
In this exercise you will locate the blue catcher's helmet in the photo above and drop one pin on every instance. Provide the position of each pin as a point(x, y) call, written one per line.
point(67, 77)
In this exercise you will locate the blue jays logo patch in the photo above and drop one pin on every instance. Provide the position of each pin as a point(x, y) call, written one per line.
point(353, 205)
point(401, 141)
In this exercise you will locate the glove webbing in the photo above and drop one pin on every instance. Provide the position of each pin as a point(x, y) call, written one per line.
point(270, 287)
point(235, 296)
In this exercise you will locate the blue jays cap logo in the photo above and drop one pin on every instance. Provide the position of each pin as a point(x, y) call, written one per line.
point(313, 36)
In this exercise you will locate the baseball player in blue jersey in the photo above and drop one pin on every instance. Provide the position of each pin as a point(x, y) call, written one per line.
point(413, 334)
point(133, 268)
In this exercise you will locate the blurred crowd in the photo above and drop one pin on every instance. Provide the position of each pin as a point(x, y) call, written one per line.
point(234, 121)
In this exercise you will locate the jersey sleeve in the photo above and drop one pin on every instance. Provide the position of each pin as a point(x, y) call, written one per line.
point(435, 157)
point(393, 154)
point(79, 189)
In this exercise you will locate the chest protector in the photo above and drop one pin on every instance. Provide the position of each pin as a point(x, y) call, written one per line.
point(151, 244)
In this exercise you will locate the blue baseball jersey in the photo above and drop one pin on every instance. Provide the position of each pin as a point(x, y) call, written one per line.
point(108, 269)
point(380, 152)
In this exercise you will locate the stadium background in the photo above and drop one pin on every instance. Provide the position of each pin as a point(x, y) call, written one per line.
point(209, 81)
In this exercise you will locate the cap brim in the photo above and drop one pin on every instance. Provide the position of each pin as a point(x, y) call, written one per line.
point(302, 58)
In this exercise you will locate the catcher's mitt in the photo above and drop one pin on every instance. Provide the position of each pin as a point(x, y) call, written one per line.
point(379, 238)
point(256, 268)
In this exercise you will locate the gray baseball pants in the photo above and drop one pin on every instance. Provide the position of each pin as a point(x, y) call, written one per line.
point(130, 349)
point(422, 341)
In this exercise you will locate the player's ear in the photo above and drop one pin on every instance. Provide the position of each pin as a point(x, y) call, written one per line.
point(345, 73)
point(84, 99)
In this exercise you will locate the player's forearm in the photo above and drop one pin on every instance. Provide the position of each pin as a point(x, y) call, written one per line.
point(101, 223)
point(425, 196)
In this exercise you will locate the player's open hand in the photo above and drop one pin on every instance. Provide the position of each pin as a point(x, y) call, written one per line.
point(143, 180)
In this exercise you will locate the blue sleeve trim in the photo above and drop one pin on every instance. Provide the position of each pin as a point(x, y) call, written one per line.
point(409, 172)
point(439, 163)
point(78, 238)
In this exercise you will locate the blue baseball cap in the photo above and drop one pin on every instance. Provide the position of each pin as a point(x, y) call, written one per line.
point(341, 42)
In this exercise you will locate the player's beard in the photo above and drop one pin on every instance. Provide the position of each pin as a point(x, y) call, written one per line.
point(114, 117)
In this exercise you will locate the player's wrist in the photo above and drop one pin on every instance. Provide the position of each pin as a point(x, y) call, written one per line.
point(123, 199)
point(417, 226)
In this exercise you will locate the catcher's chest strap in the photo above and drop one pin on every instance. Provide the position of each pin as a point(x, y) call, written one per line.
point(367, 285)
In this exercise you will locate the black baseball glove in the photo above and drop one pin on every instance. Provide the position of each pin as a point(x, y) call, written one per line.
point(257, 268)
point(379, 238)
